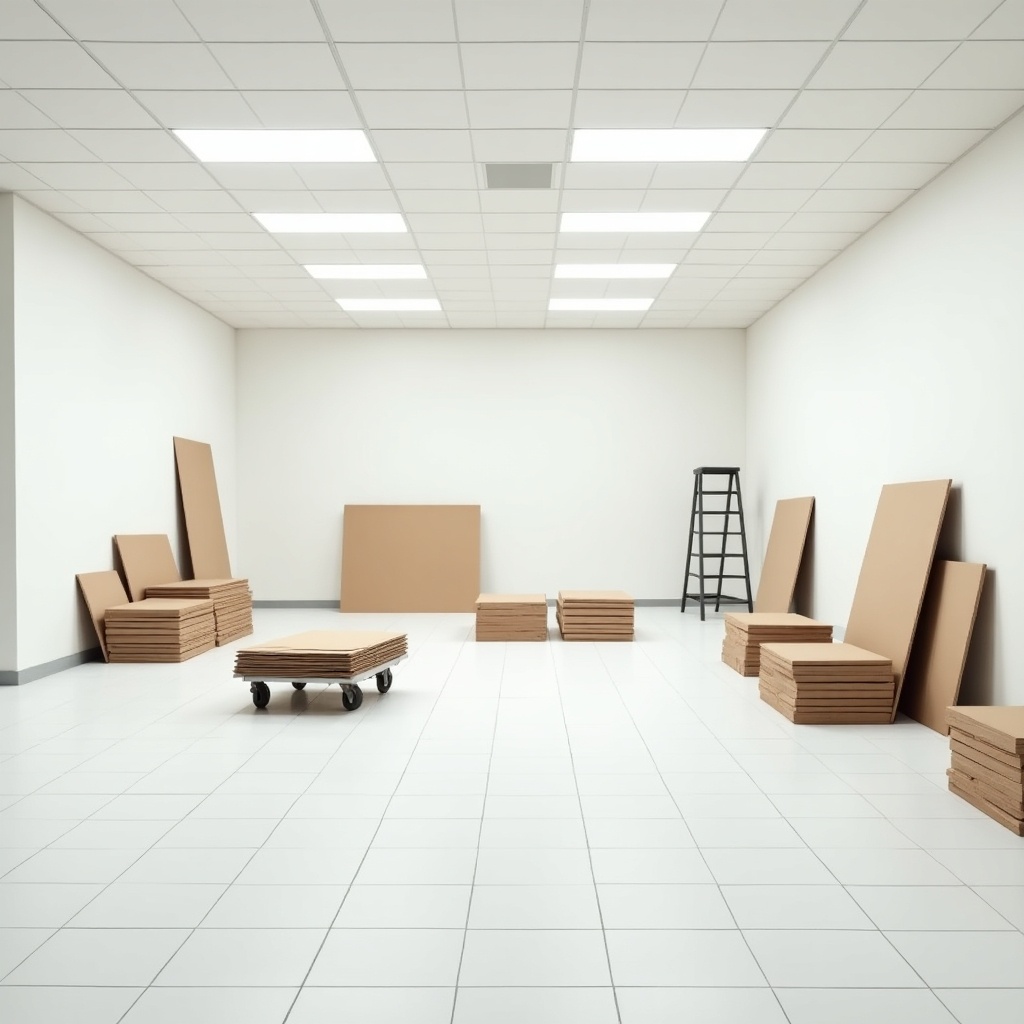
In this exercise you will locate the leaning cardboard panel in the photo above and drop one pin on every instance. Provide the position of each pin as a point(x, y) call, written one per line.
point(410, 558)
point(894, 573)
point(200, 502)
point(783, 555)
point(147, 560)
point(943, 638)
point(101, 590)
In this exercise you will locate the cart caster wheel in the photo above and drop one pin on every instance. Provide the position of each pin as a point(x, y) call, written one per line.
point(299, 686)
point(384, 680)
point(260, 694)
point(351, 699)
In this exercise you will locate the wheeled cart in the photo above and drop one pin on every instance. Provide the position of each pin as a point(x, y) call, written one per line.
point(351, 692)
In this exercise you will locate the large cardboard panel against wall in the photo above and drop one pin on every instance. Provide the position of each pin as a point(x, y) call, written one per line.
point(200, 501)
point(894, 573)
point(943, 638)
point(147, 561)
point(783, 555)
point(101, 590)
point(410, 558)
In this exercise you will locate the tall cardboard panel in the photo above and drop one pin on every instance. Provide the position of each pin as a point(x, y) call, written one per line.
point(204, 524)
point(783, 555)
point(147, 560)
point(101, 590)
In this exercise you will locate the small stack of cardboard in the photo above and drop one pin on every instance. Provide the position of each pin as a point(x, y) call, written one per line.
point(321, 654)
point(159, 629)
point(987, 770)
point(232, 603)
point(595, 615)
point(746, 631)
point(511, 617)
point(825, 684)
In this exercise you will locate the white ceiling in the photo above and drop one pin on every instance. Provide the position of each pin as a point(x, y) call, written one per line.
point(867, 100)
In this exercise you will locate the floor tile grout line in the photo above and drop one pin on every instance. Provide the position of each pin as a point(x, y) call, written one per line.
point(362, 859)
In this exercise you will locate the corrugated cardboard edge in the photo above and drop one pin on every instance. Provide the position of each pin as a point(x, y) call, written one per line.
point(939, 654)
point(200, 502)
point(147, 560)
point(101, 590)
point(784, 554)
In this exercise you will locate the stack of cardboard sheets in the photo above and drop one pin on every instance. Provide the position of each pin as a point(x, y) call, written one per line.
point(746, 631)
point(159, 629)
point(321, 654)
point(595, 615)
point(232, 603)
point(511, 617)
point(824, 684)
point(987, 746)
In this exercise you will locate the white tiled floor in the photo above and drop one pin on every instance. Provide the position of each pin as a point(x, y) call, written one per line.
point(603, 834)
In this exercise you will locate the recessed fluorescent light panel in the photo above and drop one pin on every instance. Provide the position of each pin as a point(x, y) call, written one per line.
point(654, 145)
point(599, 305)
point(367, 271)
point(270, 145)
point(332, 223)
point(390, 305)
point(601, 271)
point(623, 223)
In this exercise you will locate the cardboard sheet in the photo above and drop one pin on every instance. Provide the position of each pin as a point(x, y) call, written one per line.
point(894, 573)
point(939, 654)
point(783, 555)
point(1000, 727)
point(147, 560)
point(410, 558)
point(204, 524)
point(101, 590)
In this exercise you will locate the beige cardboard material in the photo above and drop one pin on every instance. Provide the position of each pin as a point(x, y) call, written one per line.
point(204, 523)
point(148, 561)
point(1014, 824)
point(1013, 805)
point(894, 573)
point(410, 558)
point(979, 749)
point(1001, 727)
point(101, 590)
point(939, 654)
point(783, 555)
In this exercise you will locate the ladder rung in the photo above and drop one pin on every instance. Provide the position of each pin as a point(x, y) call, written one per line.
point(716, 492)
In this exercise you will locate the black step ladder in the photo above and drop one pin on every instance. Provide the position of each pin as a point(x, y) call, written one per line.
point(719, 513)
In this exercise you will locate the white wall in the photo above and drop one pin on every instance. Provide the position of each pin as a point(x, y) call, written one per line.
point(8, 534)
point(902, 360)
point(579, 446)
point(110, 365)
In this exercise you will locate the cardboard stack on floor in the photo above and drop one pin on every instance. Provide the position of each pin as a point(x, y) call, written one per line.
point(232, 603)
point(321, 654)
point(987, 753)
point(826, 683)
point(511, 617)
point(886, 608)
point(746, 631)
point(159, 629)
point(595, 615)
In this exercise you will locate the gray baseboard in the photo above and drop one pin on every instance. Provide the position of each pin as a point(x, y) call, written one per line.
point(26, 675)
point(295, 604)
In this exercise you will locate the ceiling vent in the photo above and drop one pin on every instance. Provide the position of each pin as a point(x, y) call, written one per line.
point(518, 175)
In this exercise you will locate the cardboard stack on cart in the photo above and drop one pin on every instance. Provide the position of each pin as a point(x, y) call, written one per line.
point(511, 617)
point(746, 631)
point(159, 629)
point(321, 654)
point(826, 684)
point(232, 603)
point(595, 615)
point(987, 770)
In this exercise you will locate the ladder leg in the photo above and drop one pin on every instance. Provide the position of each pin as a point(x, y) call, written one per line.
point(689, 547)
point(725, 542)
point(700, 541)
point(743, 544)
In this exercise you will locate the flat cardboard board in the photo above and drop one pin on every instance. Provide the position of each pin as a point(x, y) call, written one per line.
point(981, 748)
point(515, 602)
point(894, 573)
point(200, 501)
point(783, 555)
point(939, 654)
point(602, 597)
point(410, 558)
point(1002, 727)
point(1015, 825)
point(101, 590)
point(147, 560)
